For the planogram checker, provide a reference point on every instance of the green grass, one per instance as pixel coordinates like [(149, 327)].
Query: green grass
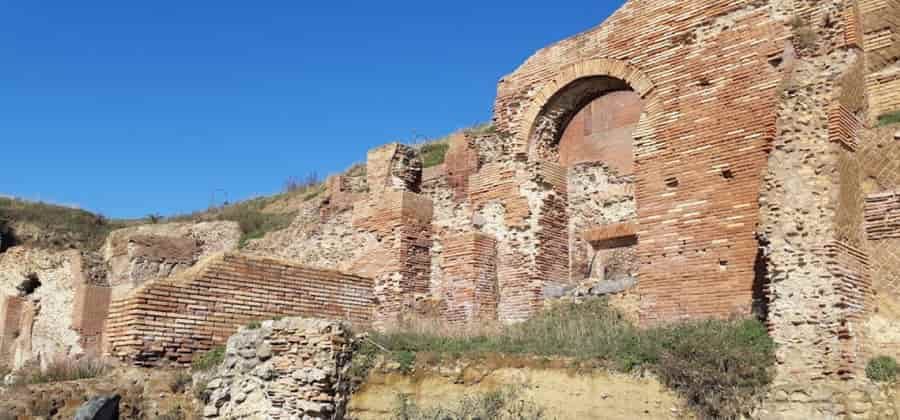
[(62, 371), (209, 360), (61, 227), (889, 118), (719, 367), (433, 154), (249, 215), (883, 369)]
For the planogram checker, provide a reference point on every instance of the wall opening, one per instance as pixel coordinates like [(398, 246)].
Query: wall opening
[(7, 236), (592, 119), (29, 285), (588, 127), (603, 131)]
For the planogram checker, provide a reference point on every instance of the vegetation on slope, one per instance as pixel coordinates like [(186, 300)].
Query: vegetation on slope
[(720, 367), (888, 119), (883, 369), (251, 215), (55, 227), (433, 154)]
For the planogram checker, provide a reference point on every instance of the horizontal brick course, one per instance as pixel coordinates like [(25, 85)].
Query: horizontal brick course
[(172, 319)]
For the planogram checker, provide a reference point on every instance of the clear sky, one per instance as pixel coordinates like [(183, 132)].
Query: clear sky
[(135, 107)]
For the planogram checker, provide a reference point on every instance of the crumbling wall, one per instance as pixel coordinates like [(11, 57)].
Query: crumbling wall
[(138, 254), (879, 24), (291, 368), (819, 287), (37, 318), (171, 320), (523, 205), (600, 196), (708, 91)]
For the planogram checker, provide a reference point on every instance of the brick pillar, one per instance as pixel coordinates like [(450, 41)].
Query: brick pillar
[(89, 314), (402, 221), (533, 248), (470, 275), (394, 166), (10, 317), (461, 162)]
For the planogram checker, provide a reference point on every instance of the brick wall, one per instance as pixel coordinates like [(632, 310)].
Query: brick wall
[(10, 318), (172, 319), (470, 278), (698, 162), (90, 310), (402, 221), (603, 131), (883, 216)]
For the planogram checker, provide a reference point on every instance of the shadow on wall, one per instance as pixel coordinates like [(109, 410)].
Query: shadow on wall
[(7, 236)]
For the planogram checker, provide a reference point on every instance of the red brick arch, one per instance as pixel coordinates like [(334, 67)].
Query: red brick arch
[(555, 104)]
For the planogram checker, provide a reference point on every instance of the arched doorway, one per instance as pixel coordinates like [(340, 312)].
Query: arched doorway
[(588, 126)]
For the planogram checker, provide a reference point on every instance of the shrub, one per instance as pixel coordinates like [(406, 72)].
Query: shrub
[(883, 369), (720, 367), (497, 405), (254, 325), (209, 360), (365, 355), (406, 359), (62, 370), (889, 118), (310, 182), (433, 154)]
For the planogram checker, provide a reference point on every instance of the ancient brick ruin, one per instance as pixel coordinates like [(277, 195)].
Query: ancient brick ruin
[(694, 159)]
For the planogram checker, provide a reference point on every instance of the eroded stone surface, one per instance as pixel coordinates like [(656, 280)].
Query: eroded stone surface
[(292, 368)]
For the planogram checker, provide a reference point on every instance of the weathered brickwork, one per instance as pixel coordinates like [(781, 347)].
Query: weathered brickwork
[(170, 320), (881, 38), (470, 278), (883, 216), (394, 166), (601, 203), (524, 205), (89, 316), (402, 222), (139, 254), (697, 161), (603, 131), (10, 316)]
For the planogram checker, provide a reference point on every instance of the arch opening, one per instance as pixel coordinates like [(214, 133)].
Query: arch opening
[(591, 119), (588, 127)]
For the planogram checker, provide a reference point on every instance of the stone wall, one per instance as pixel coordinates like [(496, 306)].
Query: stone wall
[(288, 369), (170, 320), (38, 288), (138, 254)]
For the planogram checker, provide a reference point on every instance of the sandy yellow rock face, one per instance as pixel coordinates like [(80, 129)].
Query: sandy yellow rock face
[(562, 393)]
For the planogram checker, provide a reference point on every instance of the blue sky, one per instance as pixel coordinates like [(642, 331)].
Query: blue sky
[(129, 108)]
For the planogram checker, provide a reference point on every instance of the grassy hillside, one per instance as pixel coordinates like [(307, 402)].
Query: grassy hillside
[(53, 226)]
